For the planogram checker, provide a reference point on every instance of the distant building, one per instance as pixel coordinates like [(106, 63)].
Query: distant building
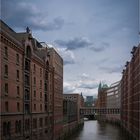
[(113, 102), (89, 101), (130, 95), (80, 103), (102, 96)]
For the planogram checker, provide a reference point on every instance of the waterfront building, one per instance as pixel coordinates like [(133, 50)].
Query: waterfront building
[(80, 103), (102, 96), (57, 63), (31, 87), (102, 101), (113, 102), (130, 95)]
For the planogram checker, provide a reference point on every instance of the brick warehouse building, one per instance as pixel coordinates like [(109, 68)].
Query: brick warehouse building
[(31, 82), (57, 63), (130, 99)]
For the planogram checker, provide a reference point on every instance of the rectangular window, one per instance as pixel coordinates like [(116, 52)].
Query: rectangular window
[(40, 94), (27, 65), (17, 74), (6, 70), (40, 107), (6, 128), (34, 81), (27, 108), (18, 92), (27, 82), (40, 122), (40, 72), (34, 93), (18, 107), (6, 52), (6, 88), (17, 58), (34, 68), (34, 107), (6, 107), (27, 124), (34, 123), (45, 121), (27, 95)]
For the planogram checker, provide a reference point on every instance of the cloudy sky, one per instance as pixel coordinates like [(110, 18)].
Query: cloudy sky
[(94, 37)]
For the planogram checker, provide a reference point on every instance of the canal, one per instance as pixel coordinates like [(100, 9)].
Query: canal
[(94, 130)]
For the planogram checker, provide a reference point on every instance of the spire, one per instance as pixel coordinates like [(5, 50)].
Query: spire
[(81, 94), (100, 86)]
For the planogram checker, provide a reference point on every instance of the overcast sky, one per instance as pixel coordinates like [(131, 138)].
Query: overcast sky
[(94, 37)]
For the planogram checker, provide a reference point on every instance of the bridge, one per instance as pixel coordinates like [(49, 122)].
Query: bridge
[(92, 112)]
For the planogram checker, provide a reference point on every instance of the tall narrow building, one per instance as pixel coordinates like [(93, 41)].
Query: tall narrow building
[(57, 63)]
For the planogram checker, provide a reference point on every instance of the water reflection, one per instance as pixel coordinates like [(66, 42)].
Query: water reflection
[(94, 130)]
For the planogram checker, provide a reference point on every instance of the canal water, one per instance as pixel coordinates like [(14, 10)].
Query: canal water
[(94, 130)]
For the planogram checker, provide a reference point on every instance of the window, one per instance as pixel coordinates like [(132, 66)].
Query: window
[(34, 107), (18, 126), (34, 81), (18, 107), (27, 96), (28, 52), (17, 74), (27, 65), (18, 93), (40, 107), (45, 121), (46, 107), (6, 128), (34, 123), (40, 122), (45, 97), (40, 94), (34, 93), (27, 82), (27, 124), (34, 68), (40, 72), (6, 52), (6, 107), (17, 58), (6, 88), (6, 70), (27, 108)]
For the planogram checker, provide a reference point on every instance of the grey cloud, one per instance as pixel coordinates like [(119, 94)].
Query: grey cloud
[(82, 42), (67, 56), (88, 85), (100, 47), (75, 43), (20, 14), (115, 69)]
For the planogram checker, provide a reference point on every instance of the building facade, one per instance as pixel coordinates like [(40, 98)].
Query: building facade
[(80, 103), (130, 96), (57, 63), (113, 102), (28, 87)]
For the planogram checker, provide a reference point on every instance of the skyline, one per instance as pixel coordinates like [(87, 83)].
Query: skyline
[(87, 34)]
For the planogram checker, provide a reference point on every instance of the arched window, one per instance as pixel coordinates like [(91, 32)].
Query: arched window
[(28, 51)]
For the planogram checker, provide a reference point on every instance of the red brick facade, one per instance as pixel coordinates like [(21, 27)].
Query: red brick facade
[(31, 87), (130, 99)]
